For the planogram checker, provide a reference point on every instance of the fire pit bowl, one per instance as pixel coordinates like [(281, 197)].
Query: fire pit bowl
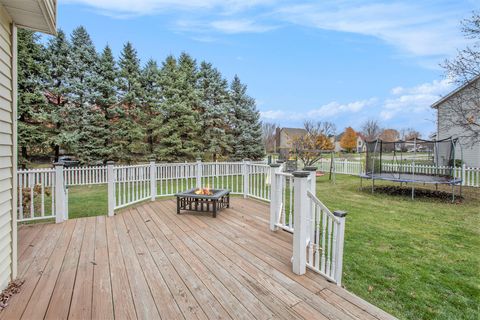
[(203, 200)]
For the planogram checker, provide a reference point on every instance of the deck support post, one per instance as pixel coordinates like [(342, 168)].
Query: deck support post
[(246, 181), (153, 179), (199, 174), (275, 197), (111, 188), (300, 215), (339, 245), (312, 187), (60, 195)]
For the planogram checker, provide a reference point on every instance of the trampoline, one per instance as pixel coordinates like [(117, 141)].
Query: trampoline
[(413, 161)]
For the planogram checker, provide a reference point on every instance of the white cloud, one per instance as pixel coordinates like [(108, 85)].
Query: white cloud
[(414, 100), (227, 26), (335, 108), (424, 29), (239, 26), (419, 29), (324, 112), (404, 106), (129, 8)]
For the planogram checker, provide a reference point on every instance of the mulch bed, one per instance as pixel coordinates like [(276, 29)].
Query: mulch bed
[(419, 193), (13, 288)]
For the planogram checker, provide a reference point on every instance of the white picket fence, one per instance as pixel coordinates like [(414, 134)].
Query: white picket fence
[(470, 176)]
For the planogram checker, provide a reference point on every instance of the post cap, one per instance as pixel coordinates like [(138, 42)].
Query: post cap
[(310, 168), (246, 159), (110, 162), (152, 159), (301, 174), (340, 214), (275, 165), (198, 159)]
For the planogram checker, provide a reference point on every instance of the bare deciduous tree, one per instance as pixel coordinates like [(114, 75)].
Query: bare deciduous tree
[(464, 69), (269, 136), (309, 147), (371, 129), (409, 134)]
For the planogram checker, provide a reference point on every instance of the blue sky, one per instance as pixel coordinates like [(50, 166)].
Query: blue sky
[(341, 61)]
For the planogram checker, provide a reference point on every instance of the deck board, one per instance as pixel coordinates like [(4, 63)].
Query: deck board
[(147, 262)]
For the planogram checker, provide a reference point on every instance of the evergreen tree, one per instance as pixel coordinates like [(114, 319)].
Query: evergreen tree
[(106, 102), (57, 62), (128, 136), (178, 130), (32, 104), (247, 130), (85, 118), (216, 136), (151, 101)]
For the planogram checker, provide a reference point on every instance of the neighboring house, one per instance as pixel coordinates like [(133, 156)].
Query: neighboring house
[(285, 138), (471, 151), (38, 15), (361, 146), (338, 147)]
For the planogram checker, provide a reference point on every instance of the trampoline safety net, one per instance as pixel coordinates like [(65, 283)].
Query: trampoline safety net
[(412, 161)]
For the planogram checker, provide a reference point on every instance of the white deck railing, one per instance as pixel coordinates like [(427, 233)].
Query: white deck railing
[(470, 176), (318, 234), (326, 237), (43, 194)]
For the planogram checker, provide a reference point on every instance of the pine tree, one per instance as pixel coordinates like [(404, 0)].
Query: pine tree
[(151, 100), (178, 130), (57, 62), (85, 118), (128, 136), (32, 104), (106, 101), (246, 126), (216, 136)]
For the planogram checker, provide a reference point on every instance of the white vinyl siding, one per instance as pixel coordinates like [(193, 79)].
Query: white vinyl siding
[(471, 152), (6, 146)]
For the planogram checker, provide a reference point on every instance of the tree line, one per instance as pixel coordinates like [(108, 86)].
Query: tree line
[(77, 101)]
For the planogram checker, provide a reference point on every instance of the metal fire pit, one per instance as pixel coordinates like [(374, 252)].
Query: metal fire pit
[(191, 201)]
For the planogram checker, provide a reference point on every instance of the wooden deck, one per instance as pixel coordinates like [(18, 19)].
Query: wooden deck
[(147, 262)]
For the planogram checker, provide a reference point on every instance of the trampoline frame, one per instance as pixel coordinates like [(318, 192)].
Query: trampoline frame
[(382, 176)]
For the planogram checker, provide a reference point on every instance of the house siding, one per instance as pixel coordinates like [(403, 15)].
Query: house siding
[(470, 151), (7, 138)]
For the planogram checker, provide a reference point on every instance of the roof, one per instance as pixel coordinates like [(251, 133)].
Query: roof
[(294, 132), (37, 15), (454, 92)]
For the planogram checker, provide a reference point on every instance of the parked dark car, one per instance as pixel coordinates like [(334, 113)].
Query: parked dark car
[(68, 161)]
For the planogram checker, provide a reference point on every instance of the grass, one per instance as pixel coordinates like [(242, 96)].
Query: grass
[(415, 259)]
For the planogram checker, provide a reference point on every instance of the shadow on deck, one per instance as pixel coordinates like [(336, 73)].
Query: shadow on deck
[(149, 263)]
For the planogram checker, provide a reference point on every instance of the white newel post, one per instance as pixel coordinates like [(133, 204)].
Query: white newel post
[(312, 187), (299, 260), (339, 246), (274, 199), (246, 181), (153, 179), (110, 188), (199, 174), (464, 167), (59, 194)]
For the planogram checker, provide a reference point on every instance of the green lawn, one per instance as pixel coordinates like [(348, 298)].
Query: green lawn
[(415, 259)]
